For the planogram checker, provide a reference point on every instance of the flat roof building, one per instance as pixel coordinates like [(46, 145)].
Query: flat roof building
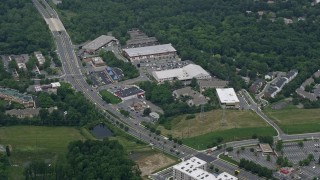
[(98, 43), (195, 169), (40, 58), (196, 98), (97, 61), (212, 83), (265, 148), (129, 93), (185, 73), (228, 97), (14, 95), (157, 52)]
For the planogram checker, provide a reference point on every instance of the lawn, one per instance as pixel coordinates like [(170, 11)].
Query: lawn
[(35, 142), (109, 97), (296, 121), (200, 131), (212, 122)]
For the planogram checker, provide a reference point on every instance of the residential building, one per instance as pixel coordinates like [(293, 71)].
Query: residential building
[(100, 42), (40, 58), (196, 99), (271, 92), (185, 73), (256, 86), (27, 113), (228, 97), (291, 75), (21, 60), (269, 76), (157, 52), (129, 93), (14, 96)]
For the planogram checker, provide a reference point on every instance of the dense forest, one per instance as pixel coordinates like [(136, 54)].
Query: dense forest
[(88, 160), (219, 35), (22, 28)]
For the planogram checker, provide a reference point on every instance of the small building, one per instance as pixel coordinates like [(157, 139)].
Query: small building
[(265, 148), (196, 99), (154, 115), (256, 86), (271, 92), (291, 75), (228, 97), (40, 58), (157, 52), (129, 93), (185, 73), (14, 96), (211, 83), (97, 61), (21, 60), (100, 42)]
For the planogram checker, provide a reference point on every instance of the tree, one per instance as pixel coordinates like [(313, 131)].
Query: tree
[(194, 83), (279, 145), (8, 151), (146, 111), (268, 157), (266, 139), (300, 144)]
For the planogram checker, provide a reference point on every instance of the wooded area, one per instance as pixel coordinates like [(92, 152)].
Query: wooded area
[(22, 28), (218, 35)]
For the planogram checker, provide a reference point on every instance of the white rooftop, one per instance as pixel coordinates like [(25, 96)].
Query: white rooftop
[(226, 176), (191, 167), (149, 50), (227, 95), (98, 42), (55, 84), (187, 72)]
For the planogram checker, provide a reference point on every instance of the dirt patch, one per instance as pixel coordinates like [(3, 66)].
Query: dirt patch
[(149, 164)]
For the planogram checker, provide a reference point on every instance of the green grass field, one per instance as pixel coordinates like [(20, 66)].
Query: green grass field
[(109, 98), (34, 142), (201, 142), (200, 132), (296, 121)]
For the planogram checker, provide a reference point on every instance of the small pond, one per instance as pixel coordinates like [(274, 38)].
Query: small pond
[(101, 131)]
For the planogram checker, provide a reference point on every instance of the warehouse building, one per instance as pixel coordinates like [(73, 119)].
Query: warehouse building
[(185, 73), (14, 96), (100, 42), (228, 97), (157, 52)]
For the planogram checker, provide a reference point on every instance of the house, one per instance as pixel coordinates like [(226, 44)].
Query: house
[(271, 92), (291, 75), (256, 86), (196, 99)]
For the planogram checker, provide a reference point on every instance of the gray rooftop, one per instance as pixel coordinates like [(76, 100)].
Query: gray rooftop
[(291, 73), (98, 42), (281, 82), (149, 50), (212, 83)]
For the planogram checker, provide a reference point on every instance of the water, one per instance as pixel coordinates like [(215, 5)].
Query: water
[(100, 131)]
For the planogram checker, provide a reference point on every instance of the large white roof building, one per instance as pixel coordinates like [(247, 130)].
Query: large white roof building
[(195, 169), (185, 73), (228, 97), (150, 52)]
